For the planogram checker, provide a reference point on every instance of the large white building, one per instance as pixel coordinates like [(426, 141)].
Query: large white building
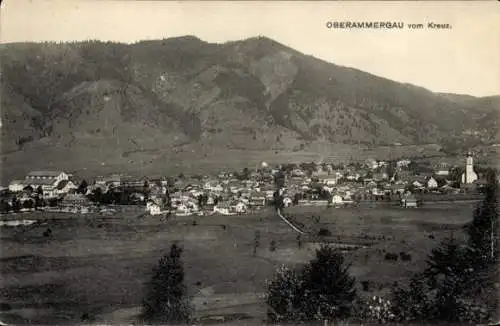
[(47, 180), (469, 176)]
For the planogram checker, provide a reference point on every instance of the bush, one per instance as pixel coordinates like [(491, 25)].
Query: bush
[(366, 285), (272, 246), (391, 256), (405, 256), (324, 232), (412, 303), (378, 310)]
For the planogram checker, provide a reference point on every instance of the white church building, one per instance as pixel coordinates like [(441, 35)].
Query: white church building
[(469, 176)]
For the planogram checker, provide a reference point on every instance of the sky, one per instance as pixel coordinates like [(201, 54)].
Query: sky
[(464, 59)]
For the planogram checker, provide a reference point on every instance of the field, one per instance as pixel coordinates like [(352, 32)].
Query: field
[(96, 266)]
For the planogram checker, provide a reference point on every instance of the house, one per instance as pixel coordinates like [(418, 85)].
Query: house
[(298, 173), (240, 208), (337, 199), (442, 169), (270, 194), (379, 176), (419, 181), (257, 201), (75, 200), (395, 189), (432, 183), (16, 186), (47, 180), (112, 180), (330, 181), (223, 208), (153, 208), (409, 201), (183, 209), (48, 186), (64, 187)]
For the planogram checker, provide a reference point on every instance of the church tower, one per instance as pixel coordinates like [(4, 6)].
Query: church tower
[(469, 176)]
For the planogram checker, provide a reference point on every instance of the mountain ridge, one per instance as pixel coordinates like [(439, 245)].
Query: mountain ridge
[(254, 94)]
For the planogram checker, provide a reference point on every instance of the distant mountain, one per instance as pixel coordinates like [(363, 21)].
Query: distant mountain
[(251, 94)]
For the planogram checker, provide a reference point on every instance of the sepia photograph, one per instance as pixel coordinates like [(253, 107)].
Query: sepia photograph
[(311, 163)]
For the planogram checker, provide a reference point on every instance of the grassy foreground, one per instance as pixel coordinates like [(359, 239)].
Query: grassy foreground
[(96, 266)]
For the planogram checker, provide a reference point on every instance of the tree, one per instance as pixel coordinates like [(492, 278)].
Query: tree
[(4, 206), (28, 204), (284, 296), (82, 188), (245, 174), (28, 189), (483, 238), (145, 189), (256, 242), (39, 191), (446, 291), (53, 202), (278, 200), (391, 169), (96, 195), (15, 204), (39, 202), (279, 179), (412, 303), (168, 199), (166, 299), (296, 198), (450, 275), (322, 290), (202, 200), (330, 289)]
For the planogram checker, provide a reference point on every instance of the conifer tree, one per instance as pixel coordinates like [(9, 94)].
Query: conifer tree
[(330, 289), (322, 290), (166, 300), (450, 276), (483, 236)]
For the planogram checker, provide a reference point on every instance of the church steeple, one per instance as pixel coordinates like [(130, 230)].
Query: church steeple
[(469, 176)]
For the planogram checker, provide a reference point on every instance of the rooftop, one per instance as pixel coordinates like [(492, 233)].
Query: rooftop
[(51, 174), (41, 182)]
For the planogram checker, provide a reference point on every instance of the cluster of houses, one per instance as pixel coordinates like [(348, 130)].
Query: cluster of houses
[(232, 193)]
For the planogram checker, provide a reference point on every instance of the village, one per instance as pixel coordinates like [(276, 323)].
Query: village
[(401, 183)]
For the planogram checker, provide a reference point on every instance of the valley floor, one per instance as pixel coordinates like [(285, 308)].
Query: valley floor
[(96, 266)]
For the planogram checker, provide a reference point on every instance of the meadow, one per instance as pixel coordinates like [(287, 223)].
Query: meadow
[(93, 268)]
